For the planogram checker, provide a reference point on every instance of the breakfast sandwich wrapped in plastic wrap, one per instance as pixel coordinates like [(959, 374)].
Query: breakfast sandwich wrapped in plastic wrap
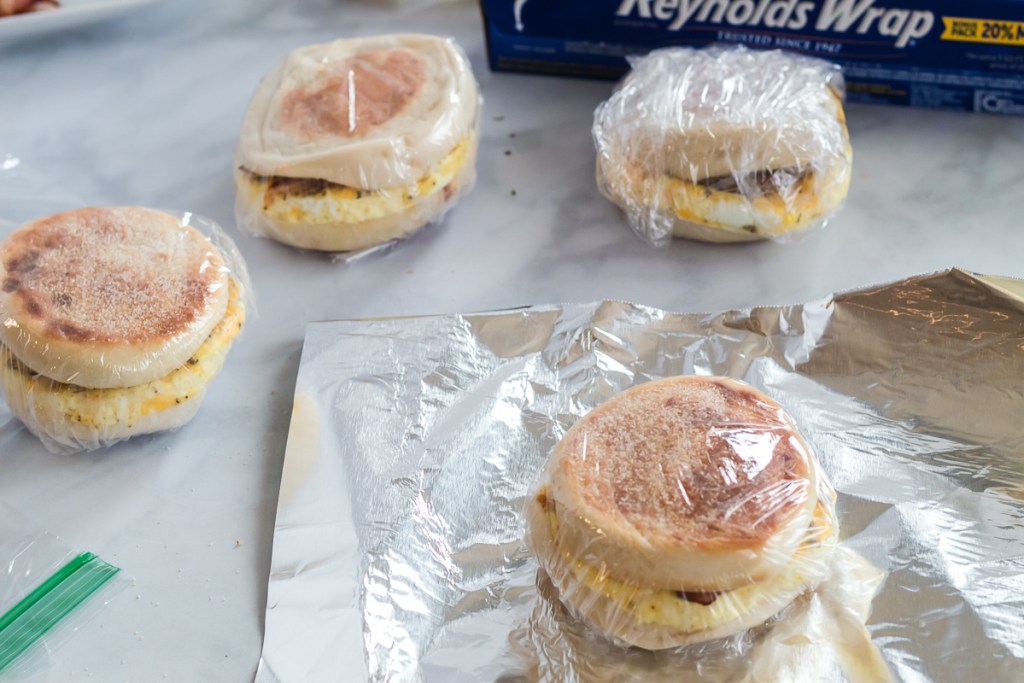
[(681, 511), (724, 144), (114, 321), (354, 143)]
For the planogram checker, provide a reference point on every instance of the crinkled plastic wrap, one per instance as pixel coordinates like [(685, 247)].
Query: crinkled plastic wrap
[(352, 144), (115, 320), (415, 447), (724, 144), (682, 511)]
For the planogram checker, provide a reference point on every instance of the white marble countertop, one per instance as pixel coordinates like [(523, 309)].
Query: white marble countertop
[(145, 109)]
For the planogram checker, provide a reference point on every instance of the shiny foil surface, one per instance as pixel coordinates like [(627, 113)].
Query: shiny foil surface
[(398, 549)]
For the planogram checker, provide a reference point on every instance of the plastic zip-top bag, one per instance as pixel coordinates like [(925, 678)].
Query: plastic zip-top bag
[(47, 592)]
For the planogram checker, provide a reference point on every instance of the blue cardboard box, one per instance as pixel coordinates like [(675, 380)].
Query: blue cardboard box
[(966, 56)]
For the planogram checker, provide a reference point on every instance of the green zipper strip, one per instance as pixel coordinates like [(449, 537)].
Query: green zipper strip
[(43, 608)]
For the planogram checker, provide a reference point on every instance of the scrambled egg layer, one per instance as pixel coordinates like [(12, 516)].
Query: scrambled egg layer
[(734, 211), (104, 408), (668, 608), (806, 201), (342, 204)]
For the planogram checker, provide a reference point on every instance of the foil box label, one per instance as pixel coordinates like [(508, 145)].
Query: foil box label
[(946, 55)]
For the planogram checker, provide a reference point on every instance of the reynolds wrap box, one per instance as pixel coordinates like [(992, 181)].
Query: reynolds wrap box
[(967, 56)]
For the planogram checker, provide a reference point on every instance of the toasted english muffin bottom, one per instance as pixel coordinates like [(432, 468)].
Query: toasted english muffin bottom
[(314, 201), (686, 613), (52, 406)]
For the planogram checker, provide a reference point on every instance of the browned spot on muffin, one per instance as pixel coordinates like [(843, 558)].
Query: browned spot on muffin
[(365, 92)]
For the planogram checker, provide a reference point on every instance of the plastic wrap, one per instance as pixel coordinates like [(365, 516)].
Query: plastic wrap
[(47, 592), (351, 144), (115, 320), (681, 511), (724, 144)]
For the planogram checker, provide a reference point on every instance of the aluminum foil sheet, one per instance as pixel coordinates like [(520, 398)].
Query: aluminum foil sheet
[(398, 551)]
